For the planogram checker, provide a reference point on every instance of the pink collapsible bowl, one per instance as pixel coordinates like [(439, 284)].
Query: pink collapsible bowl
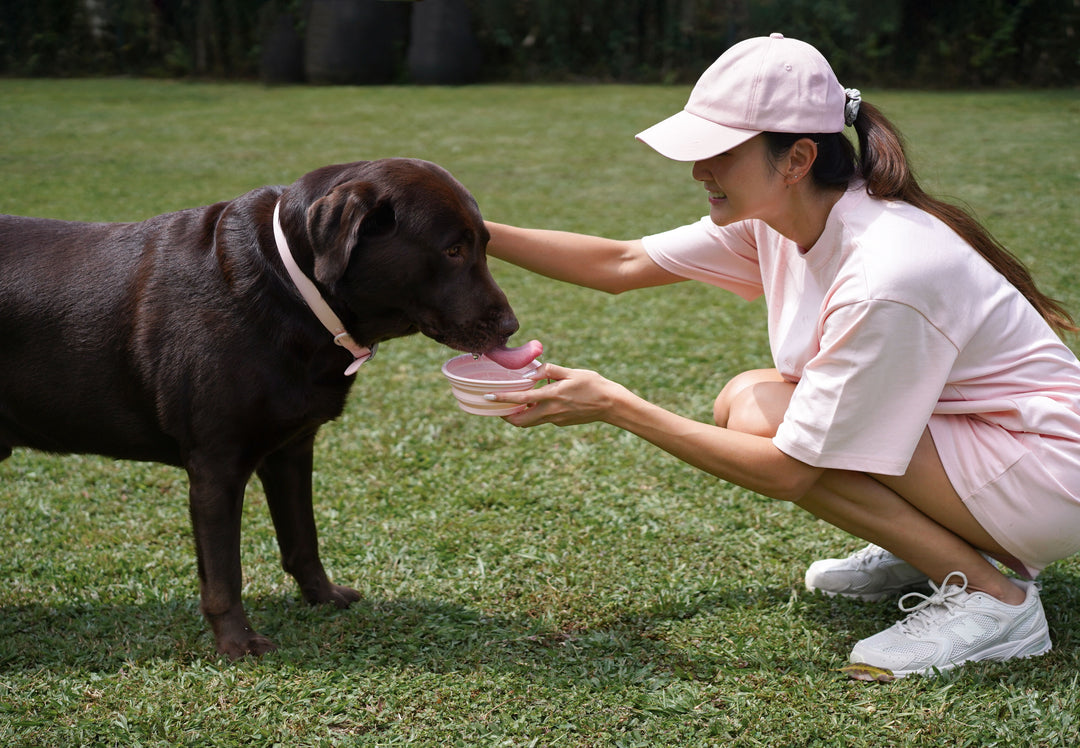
[(471, 378)]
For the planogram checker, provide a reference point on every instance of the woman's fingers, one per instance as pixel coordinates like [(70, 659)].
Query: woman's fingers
[(549, 371), (570, 396)]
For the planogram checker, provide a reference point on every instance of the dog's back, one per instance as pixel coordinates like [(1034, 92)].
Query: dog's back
[(72, 297)]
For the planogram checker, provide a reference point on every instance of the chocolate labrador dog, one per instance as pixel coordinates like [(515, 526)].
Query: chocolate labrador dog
[(219, 339)]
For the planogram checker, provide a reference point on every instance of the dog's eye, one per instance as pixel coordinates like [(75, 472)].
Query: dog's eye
[(456, 250)]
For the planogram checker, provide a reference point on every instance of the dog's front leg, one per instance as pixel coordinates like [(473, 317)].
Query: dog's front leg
[(216, 503), (286, 479)]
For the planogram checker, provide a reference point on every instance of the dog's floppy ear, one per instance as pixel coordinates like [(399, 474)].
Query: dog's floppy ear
[(337, 222)]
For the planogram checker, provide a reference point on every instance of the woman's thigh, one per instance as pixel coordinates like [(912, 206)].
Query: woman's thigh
[(927, 487), (755, 402)]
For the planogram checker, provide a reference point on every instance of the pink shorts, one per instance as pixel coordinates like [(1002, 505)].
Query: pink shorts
[(1024, 489)]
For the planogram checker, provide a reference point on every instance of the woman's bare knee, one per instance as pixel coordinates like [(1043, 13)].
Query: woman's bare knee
[(759, 409), (735, 387)]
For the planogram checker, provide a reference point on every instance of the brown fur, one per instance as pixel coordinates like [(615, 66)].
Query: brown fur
[(182, 340)]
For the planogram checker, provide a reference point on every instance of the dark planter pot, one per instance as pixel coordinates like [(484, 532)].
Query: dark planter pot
[(442, 46), (356, 41), (282, 58)]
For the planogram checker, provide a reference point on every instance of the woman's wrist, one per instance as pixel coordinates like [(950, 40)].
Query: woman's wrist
[(623, 409)]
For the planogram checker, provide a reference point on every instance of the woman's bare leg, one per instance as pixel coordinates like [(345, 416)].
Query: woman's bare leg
[(746, 400), (918, 516)]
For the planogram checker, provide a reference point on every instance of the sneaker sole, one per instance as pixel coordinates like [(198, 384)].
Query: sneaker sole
[(1034, 646), (872, 597)]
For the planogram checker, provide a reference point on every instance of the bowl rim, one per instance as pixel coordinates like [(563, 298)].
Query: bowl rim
[(452, 377)]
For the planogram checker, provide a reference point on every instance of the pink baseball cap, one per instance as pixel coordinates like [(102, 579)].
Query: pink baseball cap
[(765, 84)]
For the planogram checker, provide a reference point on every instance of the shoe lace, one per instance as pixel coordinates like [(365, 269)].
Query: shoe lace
[(869, 555), (930, 607)]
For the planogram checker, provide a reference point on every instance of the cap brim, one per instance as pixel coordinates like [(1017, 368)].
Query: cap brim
[(687, 137)]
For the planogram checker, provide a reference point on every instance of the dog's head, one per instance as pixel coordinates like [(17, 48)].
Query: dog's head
[(398, 246)]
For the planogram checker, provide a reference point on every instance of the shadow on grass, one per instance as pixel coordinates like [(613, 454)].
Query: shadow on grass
[(378, 633), (441, 637)]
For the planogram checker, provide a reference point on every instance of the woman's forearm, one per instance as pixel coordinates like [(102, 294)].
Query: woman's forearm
[(609, 265), (576, 396), (750, 461)]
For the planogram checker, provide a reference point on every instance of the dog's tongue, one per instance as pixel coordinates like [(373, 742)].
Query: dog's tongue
[(516, 358)]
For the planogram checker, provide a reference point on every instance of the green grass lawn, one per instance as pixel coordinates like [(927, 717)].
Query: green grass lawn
[(542, 587)]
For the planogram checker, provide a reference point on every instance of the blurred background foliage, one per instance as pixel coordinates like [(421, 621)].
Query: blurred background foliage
[(897, 43)]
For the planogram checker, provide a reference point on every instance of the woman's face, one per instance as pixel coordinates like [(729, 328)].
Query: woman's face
[(742, 183)]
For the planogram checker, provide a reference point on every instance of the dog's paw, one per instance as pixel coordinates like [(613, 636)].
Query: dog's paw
[(234, 636), (255, 645), (332, 594), (342, 597)]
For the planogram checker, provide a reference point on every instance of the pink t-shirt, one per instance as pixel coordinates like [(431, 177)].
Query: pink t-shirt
[(888, 319)]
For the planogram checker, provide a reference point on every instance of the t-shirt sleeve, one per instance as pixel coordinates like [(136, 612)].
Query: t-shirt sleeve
[(720, 256), (866, 397)]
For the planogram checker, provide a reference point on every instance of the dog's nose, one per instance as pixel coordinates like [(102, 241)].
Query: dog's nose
[(508, 323)]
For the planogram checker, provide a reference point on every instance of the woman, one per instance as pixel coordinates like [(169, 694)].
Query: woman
[(921, 399)]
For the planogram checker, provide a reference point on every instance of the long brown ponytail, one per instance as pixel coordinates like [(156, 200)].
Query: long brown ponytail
[(882, 163)]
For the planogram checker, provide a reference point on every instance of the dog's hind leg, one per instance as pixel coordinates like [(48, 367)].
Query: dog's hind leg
[(286, 479)]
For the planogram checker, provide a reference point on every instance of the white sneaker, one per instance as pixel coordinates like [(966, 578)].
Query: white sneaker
[(953, 626), (870, 574)]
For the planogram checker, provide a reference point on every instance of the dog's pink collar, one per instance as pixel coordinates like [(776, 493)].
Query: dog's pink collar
[(317, 304)]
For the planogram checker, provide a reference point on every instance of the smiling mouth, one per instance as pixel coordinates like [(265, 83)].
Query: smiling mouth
[(717, 195)]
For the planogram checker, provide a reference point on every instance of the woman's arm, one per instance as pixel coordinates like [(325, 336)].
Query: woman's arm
[(578, 396), (607, 265)]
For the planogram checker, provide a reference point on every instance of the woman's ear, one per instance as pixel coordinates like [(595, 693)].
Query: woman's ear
[(800, 159)]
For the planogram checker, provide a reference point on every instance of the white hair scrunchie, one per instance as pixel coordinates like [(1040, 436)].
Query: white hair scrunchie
[(852, 100)]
